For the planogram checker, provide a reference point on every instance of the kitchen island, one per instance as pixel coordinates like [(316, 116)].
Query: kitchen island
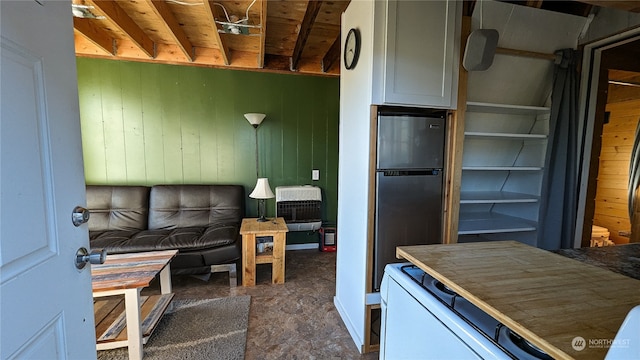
[(546, 298)]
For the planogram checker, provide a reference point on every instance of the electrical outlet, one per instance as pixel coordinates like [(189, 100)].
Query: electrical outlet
[(315, 174)]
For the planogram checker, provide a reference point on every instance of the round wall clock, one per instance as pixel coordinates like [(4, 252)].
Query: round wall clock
[(352, 49)]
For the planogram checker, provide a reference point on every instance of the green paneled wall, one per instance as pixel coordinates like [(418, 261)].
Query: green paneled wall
[(145, 124)]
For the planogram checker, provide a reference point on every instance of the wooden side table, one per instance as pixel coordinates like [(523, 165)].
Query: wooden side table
[(252, 229)]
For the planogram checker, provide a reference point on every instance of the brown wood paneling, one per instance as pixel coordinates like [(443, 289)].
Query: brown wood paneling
[(612, 223), (613, 209), (621, 153), (615, 182), (611, 205), (623, 93), (612, 195), (614, 167)]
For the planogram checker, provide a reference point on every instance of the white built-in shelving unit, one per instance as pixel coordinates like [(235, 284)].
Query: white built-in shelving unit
[(502, 171), (507, 123)]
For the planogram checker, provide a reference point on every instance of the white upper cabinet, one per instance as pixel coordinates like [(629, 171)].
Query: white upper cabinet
[(417, 46)]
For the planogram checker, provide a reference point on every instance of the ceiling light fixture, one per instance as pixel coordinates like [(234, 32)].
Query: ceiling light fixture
[(235, 25), (84, 12)]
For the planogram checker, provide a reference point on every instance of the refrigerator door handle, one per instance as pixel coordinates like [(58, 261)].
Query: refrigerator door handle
[(424, 172)]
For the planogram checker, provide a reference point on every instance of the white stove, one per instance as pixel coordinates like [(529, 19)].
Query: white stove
[(428, 320)]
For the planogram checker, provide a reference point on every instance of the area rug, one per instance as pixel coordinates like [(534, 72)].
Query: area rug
[(197, 329)]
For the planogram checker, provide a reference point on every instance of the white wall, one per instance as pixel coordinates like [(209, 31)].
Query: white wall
[(517, 80), (609, 21), (353, 173)]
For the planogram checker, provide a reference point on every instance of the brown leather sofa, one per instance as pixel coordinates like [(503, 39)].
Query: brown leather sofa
[(201, 221)]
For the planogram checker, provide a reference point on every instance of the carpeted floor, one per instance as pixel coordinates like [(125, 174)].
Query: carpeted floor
[(196, 329)]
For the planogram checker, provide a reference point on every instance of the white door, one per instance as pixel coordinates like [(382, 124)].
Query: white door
[(46, 304)]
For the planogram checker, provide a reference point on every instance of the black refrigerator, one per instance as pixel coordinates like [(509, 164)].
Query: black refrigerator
[(409, 180)]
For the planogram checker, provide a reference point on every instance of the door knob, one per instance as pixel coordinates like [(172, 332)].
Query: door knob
[(79, 216), (95, 257)]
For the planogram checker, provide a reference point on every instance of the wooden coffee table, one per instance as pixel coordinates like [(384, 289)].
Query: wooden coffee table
[(128, 274), (251, 229)]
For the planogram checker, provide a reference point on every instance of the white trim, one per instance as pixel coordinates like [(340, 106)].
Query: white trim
[(307, 246), (587, 105), (349, 324)]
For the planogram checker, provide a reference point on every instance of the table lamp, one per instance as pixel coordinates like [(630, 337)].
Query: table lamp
[(262, 191)]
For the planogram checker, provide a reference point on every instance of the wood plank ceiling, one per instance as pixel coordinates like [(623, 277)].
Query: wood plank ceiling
[(286, 36), (276, 36)]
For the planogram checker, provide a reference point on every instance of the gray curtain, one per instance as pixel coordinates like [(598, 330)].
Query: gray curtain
[(559, 193), (634, 171)]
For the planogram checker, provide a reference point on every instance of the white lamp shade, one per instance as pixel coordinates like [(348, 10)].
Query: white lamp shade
[(255, 119), (262, 190)]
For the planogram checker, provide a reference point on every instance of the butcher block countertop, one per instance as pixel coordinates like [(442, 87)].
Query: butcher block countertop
[(547, 298)]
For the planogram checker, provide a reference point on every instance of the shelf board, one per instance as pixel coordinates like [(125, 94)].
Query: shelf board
[(502, 168), (495, 197), (473, 106), (492, 223), (112, 328), (494, 135)]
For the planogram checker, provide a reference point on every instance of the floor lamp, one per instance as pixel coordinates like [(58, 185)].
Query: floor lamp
[(255, 120), (262, 191)]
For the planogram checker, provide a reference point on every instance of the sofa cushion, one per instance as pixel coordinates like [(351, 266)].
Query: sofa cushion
[(117, 207), (182, 239), (183, 206)]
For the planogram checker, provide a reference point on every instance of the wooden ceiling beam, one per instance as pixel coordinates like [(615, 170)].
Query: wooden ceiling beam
[(209, 57), (313, 7), (95, 35), (632, 6), (224, 50), (162, 10), (263, 32), (332, 56), (119, 17)]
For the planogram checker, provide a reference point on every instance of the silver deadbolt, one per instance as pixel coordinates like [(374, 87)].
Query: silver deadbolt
[(95, 257), (79, 216)]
